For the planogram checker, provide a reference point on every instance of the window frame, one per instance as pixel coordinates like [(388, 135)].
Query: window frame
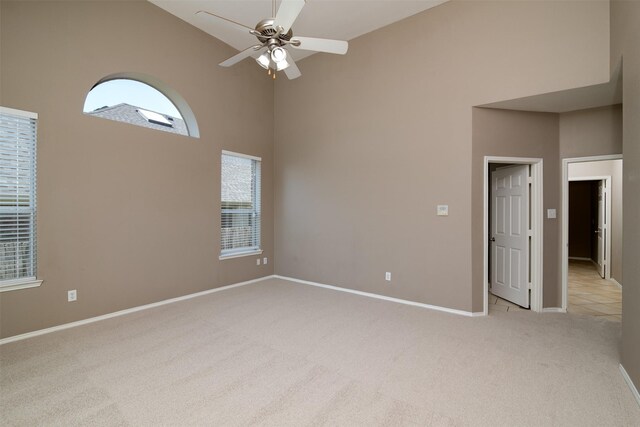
[(26, 281), (255, 249), (173, 96)]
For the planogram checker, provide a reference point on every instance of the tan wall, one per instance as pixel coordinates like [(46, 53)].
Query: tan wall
[(505, 133), (593, 132), (612, 168), (358, 152), (368, 144), (127, 215), (625, 33)]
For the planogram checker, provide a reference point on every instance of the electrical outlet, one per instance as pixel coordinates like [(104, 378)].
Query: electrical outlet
[(387, 276), (72, 295), (264, 260), (258, 261)]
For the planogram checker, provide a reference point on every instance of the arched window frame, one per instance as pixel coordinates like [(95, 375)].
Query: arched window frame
[(176, 99)]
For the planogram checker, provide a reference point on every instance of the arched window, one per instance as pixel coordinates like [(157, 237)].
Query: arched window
[(142, 101)]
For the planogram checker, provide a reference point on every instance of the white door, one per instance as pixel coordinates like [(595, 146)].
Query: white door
[(510, 234), (601, 230)]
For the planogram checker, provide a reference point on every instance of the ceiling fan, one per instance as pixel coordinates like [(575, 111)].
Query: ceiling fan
[(275, 36)]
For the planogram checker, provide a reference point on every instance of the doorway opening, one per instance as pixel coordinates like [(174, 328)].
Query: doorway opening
[(513, 218), (590, 222), (592, 236)]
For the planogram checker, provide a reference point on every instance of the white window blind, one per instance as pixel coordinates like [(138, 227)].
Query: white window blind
[(240, 202), (17, 196)]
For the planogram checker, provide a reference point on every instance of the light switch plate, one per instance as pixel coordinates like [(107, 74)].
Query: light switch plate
[(443, 210), (551, 213)]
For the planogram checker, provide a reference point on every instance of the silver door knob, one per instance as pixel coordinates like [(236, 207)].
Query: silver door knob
[(493, 239)]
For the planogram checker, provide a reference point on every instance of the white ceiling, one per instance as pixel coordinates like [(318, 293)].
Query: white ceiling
[(331, 19)]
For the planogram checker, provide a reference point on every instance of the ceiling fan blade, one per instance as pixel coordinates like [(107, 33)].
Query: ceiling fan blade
[(238, 25), (292, 71), (287, 14), (240, 56), (339, 47)]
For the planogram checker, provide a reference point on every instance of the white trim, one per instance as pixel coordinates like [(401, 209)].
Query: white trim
[(618, 284), (537, 223), (554, 310), (126, 311), (383, 297), (579, 258), (246, 156), (564, 260), (241, 254), (537, 242), (589, 178), (14, 285), (630, 383), (223, 288), (21, 113)]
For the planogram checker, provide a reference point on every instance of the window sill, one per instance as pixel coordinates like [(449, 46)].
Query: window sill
[(241, 254), (14, 285)]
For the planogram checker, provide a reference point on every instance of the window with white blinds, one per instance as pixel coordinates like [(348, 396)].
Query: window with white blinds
[(17, 196), (240, 202)]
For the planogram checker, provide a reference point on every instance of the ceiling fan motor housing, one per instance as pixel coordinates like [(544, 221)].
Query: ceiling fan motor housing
[(268, 30)]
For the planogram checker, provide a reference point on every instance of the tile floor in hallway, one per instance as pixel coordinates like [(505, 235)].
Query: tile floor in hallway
[(499, 304), (589, 294), (592, 295)]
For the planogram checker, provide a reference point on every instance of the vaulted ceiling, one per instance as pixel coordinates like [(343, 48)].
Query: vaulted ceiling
[(332, 19)]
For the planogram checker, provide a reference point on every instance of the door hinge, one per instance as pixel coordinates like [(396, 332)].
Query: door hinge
[(530, 180), (530, 287)]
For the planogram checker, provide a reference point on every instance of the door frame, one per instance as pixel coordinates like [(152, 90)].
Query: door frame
[(537, 224), (564, 261)]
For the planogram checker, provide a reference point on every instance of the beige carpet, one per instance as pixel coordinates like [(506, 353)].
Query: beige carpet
[(278, 353)]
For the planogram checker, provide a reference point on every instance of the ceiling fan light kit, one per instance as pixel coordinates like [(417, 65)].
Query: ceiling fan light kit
[(275, 35), (278, 55)]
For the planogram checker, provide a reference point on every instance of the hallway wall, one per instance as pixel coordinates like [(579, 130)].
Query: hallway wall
[(625, 33), (372, 147), (508, 133), (592, 132)]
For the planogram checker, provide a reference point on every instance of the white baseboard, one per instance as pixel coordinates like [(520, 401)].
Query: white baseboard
[(618, 284), (223, 288), (383, 297), (126, 311), (554, 310), (578, 258), (630, 383)]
